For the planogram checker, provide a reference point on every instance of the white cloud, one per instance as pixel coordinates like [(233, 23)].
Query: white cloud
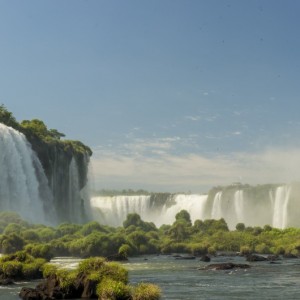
[(236, 133), (193, 118), (169, 172)]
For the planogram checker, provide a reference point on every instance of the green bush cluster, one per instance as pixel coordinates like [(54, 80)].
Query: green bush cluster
[(21, 265), (110, 280), (137, 237)]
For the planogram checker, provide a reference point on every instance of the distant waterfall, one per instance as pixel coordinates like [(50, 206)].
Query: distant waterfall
[(216, 212), (193, 204), (280, 215), (261, 205), (114, 210), (23, 184), (239, 205)]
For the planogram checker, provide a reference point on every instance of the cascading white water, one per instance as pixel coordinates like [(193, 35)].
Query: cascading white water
[(74, 192), (239, 205), (252, 206), (216, 212), (193, 204), (114, 210), (19, 185), (281, 201)]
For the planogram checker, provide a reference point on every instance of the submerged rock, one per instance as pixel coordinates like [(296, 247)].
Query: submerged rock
[(273, 258), (205, 258), (185, 257), (225, 266), (290, 255), (6, 281), (255, 257), (117, 257)]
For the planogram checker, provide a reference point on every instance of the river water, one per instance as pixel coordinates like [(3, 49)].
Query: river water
[(182, 279)]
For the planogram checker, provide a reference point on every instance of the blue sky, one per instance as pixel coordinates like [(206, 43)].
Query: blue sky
[(170, 95)]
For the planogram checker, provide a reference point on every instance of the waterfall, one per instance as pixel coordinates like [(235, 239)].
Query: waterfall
[(253, 206), (114, 210), (216, 212), (239, 205), (280, 213), (193, 204), (74, 197), (23, 184)]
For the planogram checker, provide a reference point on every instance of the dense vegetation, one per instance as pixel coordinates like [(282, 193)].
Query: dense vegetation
[(137, 237), (37, 130)]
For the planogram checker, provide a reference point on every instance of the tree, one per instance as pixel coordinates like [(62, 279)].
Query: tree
[(7, 118), (240, 227), (183, 215), (132, 219), (39, 128), (56, 134), (179, 231), (36, 127)]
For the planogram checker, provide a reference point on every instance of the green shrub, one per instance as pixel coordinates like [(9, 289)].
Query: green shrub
[(91, 264), (12, 269), (146, 291), (198, 249), (40, 250), (33, 270), (49, 270), (115, 271), (66, 277), (262, 249), (11, 243), (245, 250), (113, 290), (91, 227), (30, 235), (125, 250)]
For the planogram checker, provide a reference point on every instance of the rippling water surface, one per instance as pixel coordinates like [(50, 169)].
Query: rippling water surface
[(181, 279)]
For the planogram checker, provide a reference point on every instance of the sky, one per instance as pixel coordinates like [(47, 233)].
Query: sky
[(171, 96)]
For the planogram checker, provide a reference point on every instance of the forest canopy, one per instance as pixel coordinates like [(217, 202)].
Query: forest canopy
[(36, 128)]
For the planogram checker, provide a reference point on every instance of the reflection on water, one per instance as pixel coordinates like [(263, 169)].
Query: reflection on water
[(181, 279)]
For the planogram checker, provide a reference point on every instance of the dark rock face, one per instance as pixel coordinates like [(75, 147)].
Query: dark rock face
[(290, 255), (255, 257), (51, 289), (273, 258), (185, 257), (6, 281), (66, 168), (32, 294), (116, 257), (225, 266), (205, 258)]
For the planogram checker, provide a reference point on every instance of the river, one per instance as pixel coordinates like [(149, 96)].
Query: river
[(182, 279)]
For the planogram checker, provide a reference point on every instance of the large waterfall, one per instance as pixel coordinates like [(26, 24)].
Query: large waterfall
[(47, 186), (275, 205), (23, 184)]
